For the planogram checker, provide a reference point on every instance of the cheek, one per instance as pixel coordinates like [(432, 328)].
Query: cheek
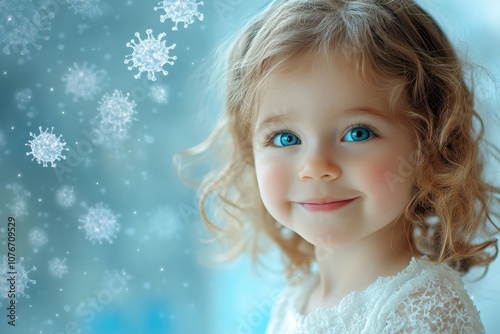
[(377, 176), (272, 181), (387, 179)]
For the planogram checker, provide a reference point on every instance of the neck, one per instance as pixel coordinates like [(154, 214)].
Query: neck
[(355, 266)]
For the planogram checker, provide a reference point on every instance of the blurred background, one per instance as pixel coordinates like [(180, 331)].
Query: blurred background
[(112, 231)]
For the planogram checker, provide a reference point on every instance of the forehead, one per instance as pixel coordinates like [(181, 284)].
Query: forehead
[(314, 82)]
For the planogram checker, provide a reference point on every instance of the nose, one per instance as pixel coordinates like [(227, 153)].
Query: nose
[(319, 168)]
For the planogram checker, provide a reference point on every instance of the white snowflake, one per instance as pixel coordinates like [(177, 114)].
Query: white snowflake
[(84, 82), (58, 267), (21, 277), (46, 147), (180, 11), (149, 55), (99, 223), (65, 196)]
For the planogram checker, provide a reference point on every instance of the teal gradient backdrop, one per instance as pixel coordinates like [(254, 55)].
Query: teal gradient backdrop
[(150, 278)]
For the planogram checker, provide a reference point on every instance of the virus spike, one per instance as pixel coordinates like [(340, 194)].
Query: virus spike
[(87, 8), (65, 196), (149, 55), (116, 114), (58, 267), (22, 23), (46, 147), (180, 11), (84, 81), (99, 223), (22, 279)]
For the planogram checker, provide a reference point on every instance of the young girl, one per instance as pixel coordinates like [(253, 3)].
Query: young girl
[(347, 140)]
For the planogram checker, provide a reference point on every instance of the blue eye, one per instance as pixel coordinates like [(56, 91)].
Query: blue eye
[(286, 139), (358, 133)]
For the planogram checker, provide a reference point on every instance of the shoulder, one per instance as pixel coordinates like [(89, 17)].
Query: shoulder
[(432, 300)]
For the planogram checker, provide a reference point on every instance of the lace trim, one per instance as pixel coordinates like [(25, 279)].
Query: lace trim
[(422, 298), (324, 314)]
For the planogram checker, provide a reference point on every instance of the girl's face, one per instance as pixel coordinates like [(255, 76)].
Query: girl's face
[(325, 135)]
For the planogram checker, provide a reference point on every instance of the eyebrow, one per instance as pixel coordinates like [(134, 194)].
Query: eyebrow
[(279, 118), (369, 111), (284, 117)]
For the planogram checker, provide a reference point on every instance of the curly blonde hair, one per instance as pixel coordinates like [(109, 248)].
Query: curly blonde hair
[(395, 45)]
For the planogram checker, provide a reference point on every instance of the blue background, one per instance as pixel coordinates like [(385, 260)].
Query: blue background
[(164, 286)]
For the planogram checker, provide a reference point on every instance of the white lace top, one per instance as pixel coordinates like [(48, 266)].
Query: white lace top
[(422, 298)]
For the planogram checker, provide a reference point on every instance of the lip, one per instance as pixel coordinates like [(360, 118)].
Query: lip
[(325, 204)]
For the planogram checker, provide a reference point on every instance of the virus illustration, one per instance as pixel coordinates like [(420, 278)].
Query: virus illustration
[(38, 238), (46, 147), (115, 115), (58, 267), (21, 279), (87, 8), (18, 206), (180, 11), (99, 223), (159, 94), (149, 55), (23, 98), (21, 24), (84, 82), (65, 196), (165, 223)]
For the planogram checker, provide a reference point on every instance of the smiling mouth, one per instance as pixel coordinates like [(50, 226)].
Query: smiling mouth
[(326, 206)]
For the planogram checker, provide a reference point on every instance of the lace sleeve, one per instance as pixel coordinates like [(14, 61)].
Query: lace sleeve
[(436, 307)]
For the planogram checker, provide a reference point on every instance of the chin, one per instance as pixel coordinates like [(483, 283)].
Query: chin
[(326, 239)]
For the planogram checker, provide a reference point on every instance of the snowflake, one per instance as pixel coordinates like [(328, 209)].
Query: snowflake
[(88, 8), (99, 223), (21, 23), (21, 278), (159, 94), (180, 11), (115, 115), (38, 238), (84, 82), (46, 147), (65, 196), (58, 267), (149, 55)]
